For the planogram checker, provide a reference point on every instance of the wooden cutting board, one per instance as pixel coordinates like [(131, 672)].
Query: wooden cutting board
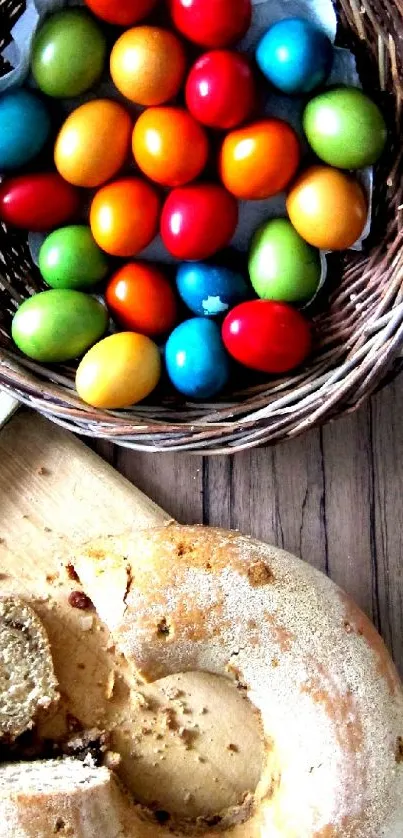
[(56, 493)]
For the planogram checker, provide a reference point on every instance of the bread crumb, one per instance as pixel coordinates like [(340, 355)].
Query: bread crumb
[(141, 701), (86, 622), (233, 748), (110, 685), (71, 573), (169, 719), (259, 573), (173, 693), (112, 760), (187, 736)]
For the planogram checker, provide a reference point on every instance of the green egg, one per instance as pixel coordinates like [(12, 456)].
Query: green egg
[(345, 128), (71, 258), (282, 266), (58, 325), (68, 54)]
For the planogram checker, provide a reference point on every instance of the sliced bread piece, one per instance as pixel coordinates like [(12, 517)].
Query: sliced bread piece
[(62, 797), (28, 684)]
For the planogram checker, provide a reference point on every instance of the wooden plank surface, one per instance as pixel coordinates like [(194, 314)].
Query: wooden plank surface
[(333, 497)]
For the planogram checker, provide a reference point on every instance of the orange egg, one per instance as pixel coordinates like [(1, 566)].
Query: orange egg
[(93, 143), (124, 216), (148, 65), (169, 146), (327, 208), (260, 159)]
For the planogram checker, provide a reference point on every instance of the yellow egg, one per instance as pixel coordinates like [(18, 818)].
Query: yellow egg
[(93, 143), (119, 371)]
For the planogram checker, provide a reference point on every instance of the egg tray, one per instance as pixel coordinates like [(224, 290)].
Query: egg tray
[(358, 321)]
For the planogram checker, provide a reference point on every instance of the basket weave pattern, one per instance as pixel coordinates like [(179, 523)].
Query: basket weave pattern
[(359, 332)]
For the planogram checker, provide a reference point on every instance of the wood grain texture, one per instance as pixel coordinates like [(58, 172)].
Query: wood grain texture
[(332, 497)]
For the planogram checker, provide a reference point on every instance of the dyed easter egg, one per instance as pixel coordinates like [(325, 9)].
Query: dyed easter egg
[(327, 208), (282, 266), (141, 298), (38, 202), (70, 258), (267, 336), (210, 290), (24, 128), (220, 90), (148, 65), (93, 143), (58, 325), (124, 216), (195, 358), (259, 160), (214, 24), (169, 146), (295, 55), (68, 53), (123, 12), (198, 221), (345, 128), (119, 371)]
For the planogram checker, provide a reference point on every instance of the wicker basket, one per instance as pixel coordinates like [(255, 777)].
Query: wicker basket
[(359, 332)]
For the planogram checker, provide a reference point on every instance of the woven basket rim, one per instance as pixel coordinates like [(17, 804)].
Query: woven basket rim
[(359, 336)]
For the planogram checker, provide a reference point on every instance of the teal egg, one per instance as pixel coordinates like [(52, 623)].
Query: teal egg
[(196, 360), (58, 325), (345, 128), (24, 128), (282, 266), (68, 54), (70, 258)]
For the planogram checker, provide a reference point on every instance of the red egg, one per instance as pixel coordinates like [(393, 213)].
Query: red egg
[(38, 202), (267, 336), (141, 299), (121, 12), (220, 90), (212, 23), (198, 220)]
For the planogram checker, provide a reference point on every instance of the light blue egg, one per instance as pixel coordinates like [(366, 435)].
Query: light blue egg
[(295, 55), (196, 360), (24, 128), (210, 290)]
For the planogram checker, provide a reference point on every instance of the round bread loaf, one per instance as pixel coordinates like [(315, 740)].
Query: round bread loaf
[(331, 704), (28, 683)]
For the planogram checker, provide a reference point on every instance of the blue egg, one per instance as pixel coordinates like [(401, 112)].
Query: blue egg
[(196, 360), (24, 128), (210, 290), (295, 55)]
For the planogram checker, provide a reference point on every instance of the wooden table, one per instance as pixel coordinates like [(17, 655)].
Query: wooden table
[(333, 497)]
